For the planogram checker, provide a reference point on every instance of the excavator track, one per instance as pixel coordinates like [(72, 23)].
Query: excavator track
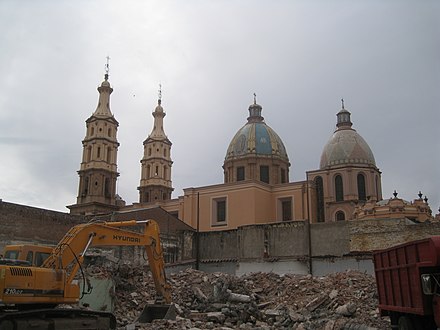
[(57, 319)]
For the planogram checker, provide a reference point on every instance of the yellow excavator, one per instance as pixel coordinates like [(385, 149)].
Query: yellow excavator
[(29, 294)]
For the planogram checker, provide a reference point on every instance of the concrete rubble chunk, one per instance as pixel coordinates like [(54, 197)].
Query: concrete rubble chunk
[(346, 310)]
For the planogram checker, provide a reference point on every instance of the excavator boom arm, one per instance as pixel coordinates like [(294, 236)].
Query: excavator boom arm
[(69, 253)]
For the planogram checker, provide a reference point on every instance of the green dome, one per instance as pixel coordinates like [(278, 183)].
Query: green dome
[(256, 138)]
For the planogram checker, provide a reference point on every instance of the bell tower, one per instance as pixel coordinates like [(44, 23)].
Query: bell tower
[(155, 184), (98, 169)]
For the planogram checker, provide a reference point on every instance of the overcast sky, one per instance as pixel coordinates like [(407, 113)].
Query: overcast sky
[(299, 57)]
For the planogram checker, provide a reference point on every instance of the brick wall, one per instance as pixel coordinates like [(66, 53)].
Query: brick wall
[(19, 223)]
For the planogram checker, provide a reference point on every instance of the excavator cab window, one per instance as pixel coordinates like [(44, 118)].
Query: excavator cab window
[(40, 257), (12, 254), (30, 257)]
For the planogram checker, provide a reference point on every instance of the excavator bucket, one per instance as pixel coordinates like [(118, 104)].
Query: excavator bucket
[(157, 311)]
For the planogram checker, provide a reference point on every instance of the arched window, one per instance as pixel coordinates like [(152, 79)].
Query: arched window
[(89, 154), (339, 188), (264, 173), (86, 186), (340, 216), (319, 199), (283, 176), (362, 195), (107, 187), (240, 173)]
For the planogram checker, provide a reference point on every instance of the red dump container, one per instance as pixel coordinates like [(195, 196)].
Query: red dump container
[(398, 276)]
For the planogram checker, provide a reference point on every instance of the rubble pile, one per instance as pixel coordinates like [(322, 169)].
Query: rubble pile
[(256, 301)]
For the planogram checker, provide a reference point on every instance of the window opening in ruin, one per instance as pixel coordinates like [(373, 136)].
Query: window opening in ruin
[(340, 216)]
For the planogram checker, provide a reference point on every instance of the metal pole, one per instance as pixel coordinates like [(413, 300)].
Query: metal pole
[(197, 232)]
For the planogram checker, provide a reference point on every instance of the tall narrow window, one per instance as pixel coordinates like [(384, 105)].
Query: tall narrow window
[(285, 209), (165, 173), (219, 211), (240, 173), (148, 171), (339, 188), (377, 187), (86, 186), (264, 173), (89, 154), (98, 153), (362, 195), (283, 176), (109, 155), (319, 199), (107, 187)]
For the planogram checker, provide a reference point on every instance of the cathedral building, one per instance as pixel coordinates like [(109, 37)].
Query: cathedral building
[(256, 187)]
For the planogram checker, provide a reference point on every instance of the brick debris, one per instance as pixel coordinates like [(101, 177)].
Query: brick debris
[(346, 300)]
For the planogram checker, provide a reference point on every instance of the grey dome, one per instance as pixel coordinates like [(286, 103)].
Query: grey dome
[(346, 146)]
